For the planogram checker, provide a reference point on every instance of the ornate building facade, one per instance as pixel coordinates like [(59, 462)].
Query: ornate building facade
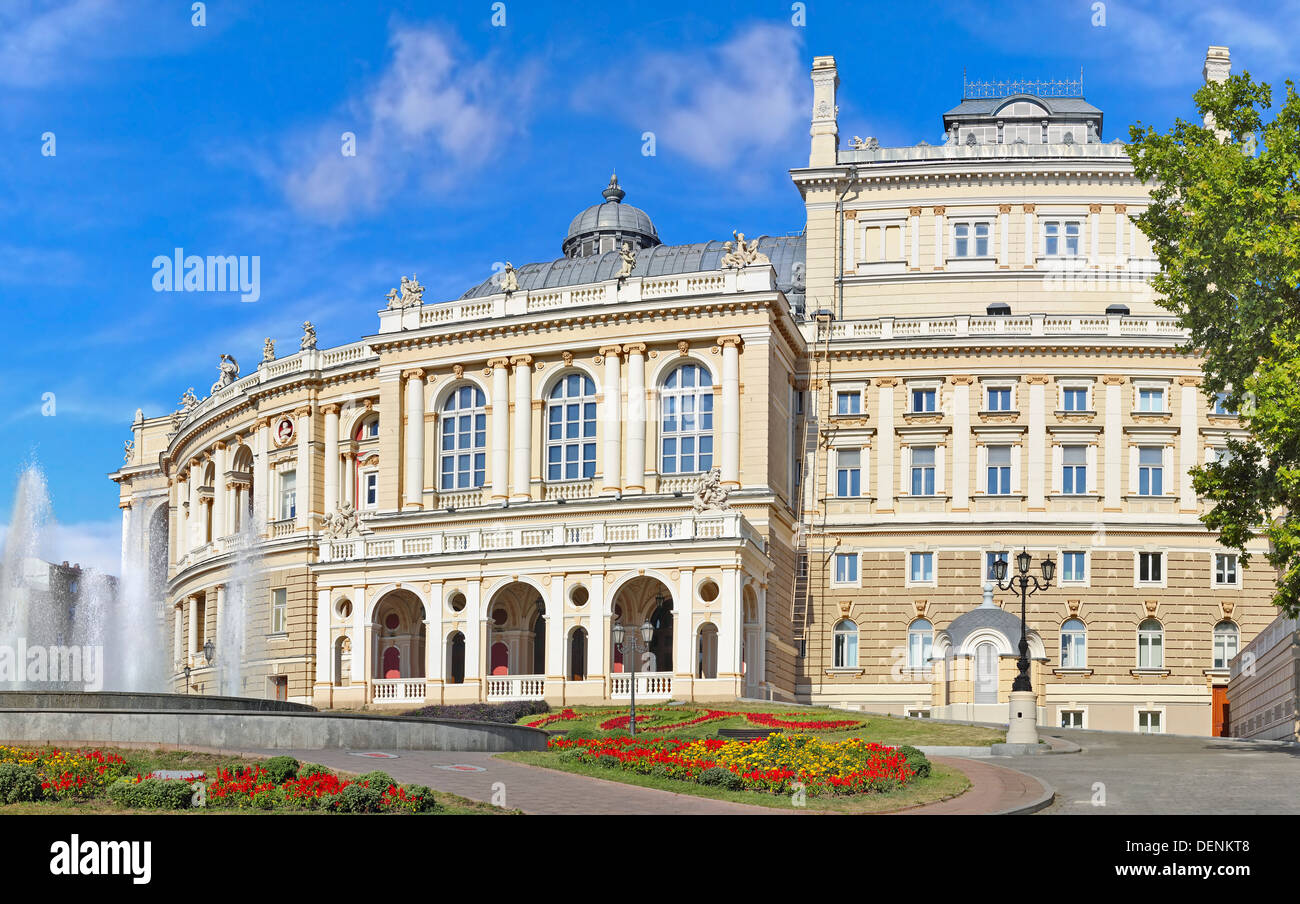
[(794, 458)]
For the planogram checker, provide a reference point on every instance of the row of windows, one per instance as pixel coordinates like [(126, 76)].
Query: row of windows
[(925, 400), (1150, 567), (1074, 644)]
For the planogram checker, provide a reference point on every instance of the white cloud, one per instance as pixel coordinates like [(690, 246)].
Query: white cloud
[(90, 544), (742, 100), (429, 119)]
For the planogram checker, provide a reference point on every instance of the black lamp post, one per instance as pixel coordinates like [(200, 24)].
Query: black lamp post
[(1028, 584), (629, 644), (187, 670)]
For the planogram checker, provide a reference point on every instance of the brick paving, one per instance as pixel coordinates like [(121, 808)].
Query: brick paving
[(994, 789)]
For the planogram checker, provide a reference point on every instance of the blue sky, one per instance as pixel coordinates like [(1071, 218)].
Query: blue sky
[(476, 143)]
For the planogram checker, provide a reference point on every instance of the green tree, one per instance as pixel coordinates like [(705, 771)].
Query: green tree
[(1224, 221)]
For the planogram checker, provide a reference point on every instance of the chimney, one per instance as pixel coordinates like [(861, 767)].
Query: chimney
[(825, 130), (1218, 66)]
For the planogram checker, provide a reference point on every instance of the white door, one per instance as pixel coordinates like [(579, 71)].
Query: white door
[(986, 673)]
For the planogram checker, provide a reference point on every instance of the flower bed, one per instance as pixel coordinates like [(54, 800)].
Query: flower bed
[(765, 720), (771, 765), (68, 774)]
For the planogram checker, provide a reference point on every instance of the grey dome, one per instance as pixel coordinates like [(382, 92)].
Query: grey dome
[(604, 227)]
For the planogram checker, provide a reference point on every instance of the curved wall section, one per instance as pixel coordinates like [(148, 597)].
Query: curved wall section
[(121, 700)]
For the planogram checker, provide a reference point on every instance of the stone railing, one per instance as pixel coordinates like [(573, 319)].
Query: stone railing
[(707, 526), (398, 690), (962, 326), (609, 292), (459, 499), (516, 687), (569, 489), (648, 685), (939, 152)]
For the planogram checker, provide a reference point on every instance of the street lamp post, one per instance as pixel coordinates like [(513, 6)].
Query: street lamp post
[(1022, 727), (629, 644)]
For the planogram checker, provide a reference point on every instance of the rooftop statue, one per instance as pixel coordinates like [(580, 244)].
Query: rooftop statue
[(628, 257), (268, 350), (411, 294), (743, 255), (509, 279), (128, 449), (710, 494), (344, 522), (228, 368), (308, 343)]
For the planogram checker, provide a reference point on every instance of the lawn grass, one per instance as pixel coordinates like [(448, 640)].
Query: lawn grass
[(891, 730), (942, 783)]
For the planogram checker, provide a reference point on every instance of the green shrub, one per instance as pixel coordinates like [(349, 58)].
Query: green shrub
[(609, 761), (279, 769), (19, 783), (358, 798), (379, 780), (583, 734), (307, 770), (917, 761), (571, 755), (721, 777), (421, 798), (151, 794)]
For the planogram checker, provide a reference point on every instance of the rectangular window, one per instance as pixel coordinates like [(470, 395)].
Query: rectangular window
[(279, 610), (1072, 239), (848, 472), (1150, 567), (370, 492), (848, 403), (923, 471), (961, 240), (1074, 469), (846, 568), (999, 398), (1073, 566), (1151, 399), (1225, 647), (999, 470), (1225, 569), (1071, 718), (288, 495), (918, 714), (924, 401), (1149, 721), (1151, 470), (1051, 239), (1061, 239), (1221, 404), (989, 559), (981, 239), (1075, 399), (922, 568)]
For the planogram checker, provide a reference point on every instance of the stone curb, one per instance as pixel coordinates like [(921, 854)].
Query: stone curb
[(1040, 802)]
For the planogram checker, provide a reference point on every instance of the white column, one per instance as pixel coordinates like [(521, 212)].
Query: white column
[(1029, 235), (220, 493), (612, 451), (1094, 230), (434, 669), (500, 428), (331, 458), (1121, 246), (192, 604), (359, 652), (262, 478), (684, 624), (324, 657), (938, 238), (1187, 442), (730, 410), (413, 470), (474, 632), (349, 479), (217, 611), (760, 667), (178, 634), (914, 222), (961, 443), (731, 633), (1037, 442), (885, 445), (302, 470), (598, 629), (1114, 436), (554, 665), (1004, 235), (521, 483), (634, 481)]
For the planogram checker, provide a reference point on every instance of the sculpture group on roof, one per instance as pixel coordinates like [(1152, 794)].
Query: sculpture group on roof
[(742, 254), (228, 370), (411, 294)]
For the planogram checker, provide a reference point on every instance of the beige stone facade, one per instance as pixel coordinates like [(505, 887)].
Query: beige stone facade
[(960, 358)]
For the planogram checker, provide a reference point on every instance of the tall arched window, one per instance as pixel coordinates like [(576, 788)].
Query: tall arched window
[(1151, 645), (1225, 643), (1074, 653), (463, 452), (571, 429), (686, 426), (846, 644), (920, 637)]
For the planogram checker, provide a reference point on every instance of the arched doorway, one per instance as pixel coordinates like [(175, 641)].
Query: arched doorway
[(751, 651), (392, 667), (984, 681), (517, 631), (640, 600), (397, 650), (578, 654), (456, 658), (706, 660), (342, 662), (500, 659)]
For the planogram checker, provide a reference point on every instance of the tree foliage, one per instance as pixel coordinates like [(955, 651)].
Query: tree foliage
[(1224, 221)]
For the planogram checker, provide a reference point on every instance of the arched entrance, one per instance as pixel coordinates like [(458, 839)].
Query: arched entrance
[(984, 681), (578, 654), (397, 650), (517, 643), (342, 662), (640, 600), (456, 658), (706, 652)]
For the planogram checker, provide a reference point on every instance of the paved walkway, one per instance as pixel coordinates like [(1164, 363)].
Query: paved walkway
[(536, 790)]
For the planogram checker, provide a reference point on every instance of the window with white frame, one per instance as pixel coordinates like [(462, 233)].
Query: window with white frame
[(1074, 644), (1074, 470), (920, 640), (1149, 721), (921, 567), (998, 398), (1074, 398), (1151, 470), (970, 240), (1074, 567), (848, 473), (846, 644), (925, 400), (1226, 637), (571, 429), (1221, 404), (687, 425), (1151, 399), (1221, 454), (999, 470), (846, 568), (279, 610), (923, 471), (848, 402), (1151, 645), (1071, 718), (1061, 238), (369, 489), (462, 453), (913, 713), (1225, 569), (1150, 567), (288, 494), (990, 558), (369, 429)]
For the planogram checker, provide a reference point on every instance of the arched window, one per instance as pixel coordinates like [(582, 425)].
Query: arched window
[(1074, 653), (368, 429), (686, 426), (571, 429), (846, 644), (1225, 643), (463, 452), (920, 636), (1151, 645)]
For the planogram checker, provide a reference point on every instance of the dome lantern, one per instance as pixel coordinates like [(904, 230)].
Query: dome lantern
[(604, 227)]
